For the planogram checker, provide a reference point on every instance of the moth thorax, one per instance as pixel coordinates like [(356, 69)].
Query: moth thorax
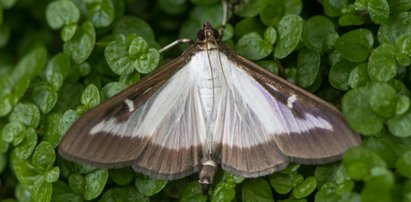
[(208, 170)]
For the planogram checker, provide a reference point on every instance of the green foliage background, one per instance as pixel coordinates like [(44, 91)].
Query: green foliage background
[(60, 58)]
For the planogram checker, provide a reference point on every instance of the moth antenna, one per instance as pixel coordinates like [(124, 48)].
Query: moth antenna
[(225, 18), (176, 42)]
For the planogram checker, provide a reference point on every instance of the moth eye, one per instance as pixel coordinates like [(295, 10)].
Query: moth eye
[(201, 35)]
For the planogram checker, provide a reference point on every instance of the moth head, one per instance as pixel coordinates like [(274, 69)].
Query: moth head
[(207, 34)]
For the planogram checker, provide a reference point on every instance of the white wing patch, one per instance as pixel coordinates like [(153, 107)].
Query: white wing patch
[(130, 104), (291, 100)]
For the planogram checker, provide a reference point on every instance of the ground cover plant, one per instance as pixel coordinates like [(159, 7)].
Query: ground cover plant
[(58, 59)]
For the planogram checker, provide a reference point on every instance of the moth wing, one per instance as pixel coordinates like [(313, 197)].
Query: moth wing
[(314, 131), (138, 127), (267, 122)]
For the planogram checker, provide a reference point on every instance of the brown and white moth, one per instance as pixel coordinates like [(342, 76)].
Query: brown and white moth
[(209, 106)]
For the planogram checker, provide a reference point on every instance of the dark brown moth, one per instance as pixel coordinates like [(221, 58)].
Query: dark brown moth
[(207, 107)]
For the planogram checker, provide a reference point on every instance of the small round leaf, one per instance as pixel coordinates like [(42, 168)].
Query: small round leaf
[(62, 12), (382, 65), (289, 30), (253, 47), (149, 186), (43, 157), (355, 45)]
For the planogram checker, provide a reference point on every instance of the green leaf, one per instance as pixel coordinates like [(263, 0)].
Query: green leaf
[(316, 31), (30, 65), (61, 192), (358, 76), (396, 25), (283, 183), (111, 89), (117, 53), (67, 120), (147, 62), (403, 104), (149, 186), (382, 65), (100, 12), (270, 65), (402, 59), (333, 8), (355, 45), (77, 183), (308, 67), (5, 105), (248, 25), (377, 9), (350, 19), (4, 146), (358, 112), (11, 130), (271, 11), (248, 8), (43, 157), (52, 175), (403, 164), (256, 190), (129, 79), (340, 73), (383, 99), (25, 172), (400, 125), (123, 194), (330, 192), (137, 46), (223, 191), (388, 147), (26, 148), (57, 68), (173, 7), (82, 44), (22, 193), (90, 96), (379, 186), (192, 192), (44, 96), (305, 188), (399, 6), (359, 162), (403, 44), (253, 47), (50, 127), (68, 32), (289, 30), (62, 12), (42, 191), (95, 182), (122, 176), (270, 35), (211, 14), (131, 25)]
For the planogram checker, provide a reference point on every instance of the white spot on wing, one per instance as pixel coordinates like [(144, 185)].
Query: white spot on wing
[(291, 100), (130, 104)]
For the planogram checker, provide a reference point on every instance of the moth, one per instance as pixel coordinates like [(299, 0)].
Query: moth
[(209, 106)]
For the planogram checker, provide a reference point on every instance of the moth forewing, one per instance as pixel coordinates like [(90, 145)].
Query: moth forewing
[(209, 106)]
